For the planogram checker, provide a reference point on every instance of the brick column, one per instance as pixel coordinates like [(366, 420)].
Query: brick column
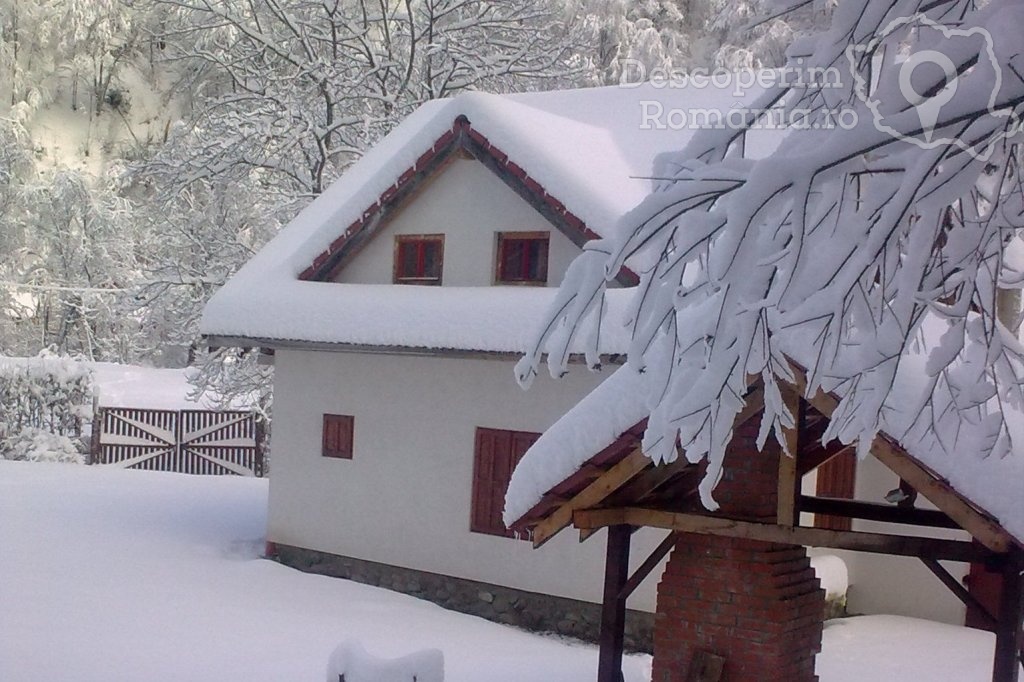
[(757, 605), (752, 609)]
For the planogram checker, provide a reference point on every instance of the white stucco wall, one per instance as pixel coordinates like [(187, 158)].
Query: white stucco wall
[(470, 205), (404, 498)]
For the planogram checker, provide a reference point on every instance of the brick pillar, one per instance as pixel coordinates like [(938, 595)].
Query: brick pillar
[(753, 609)]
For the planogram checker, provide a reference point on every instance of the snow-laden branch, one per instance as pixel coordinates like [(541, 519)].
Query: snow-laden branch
[(870, 254)]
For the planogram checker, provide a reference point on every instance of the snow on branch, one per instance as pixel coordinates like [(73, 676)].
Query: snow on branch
[(871, 247)]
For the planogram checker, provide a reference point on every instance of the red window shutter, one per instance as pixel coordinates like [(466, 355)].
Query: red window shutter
[(337, 436), (496, 454), (836, 478)]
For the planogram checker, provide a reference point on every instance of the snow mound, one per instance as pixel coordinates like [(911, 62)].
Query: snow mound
[(350, 662), (831, 571)]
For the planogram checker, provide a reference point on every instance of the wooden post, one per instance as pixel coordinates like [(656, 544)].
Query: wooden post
[(613, 607), (789, 480), (1006, 667)]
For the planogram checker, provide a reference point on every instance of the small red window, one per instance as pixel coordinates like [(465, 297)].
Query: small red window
[(496, 454), (522, 258), (419, 258), (337, 436)]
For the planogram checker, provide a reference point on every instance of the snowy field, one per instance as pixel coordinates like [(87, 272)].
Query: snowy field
[(122, 575)]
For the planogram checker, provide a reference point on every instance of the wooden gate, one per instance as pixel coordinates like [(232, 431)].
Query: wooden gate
[(184, 441)]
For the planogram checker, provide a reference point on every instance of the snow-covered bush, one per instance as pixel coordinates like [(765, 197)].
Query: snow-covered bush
[(33, 444), (351, 663), (43, 403)]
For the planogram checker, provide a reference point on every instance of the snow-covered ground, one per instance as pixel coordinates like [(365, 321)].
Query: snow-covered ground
[(128, 575)]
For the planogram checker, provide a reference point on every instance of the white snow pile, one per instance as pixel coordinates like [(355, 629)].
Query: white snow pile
[(351, 663), (833, 574), (164, 570)]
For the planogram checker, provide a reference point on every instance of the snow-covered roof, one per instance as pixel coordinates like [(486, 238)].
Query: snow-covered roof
[(587, 148), (487, 319), (994, 484)]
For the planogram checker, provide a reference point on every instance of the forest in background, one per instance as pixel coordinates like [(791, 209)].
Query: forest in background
[(149, 147)]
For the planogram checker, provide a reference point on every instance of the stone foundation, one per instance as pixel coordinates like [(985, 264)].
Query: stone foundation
[(528, 610)]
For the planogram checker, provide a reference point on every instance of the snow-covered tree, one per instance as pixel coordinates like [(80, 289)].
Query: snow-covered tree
[(292, 91), (870, 247), (633, 41)]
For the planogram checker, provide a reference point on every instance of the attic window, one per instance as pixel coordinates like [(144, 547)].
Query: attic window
[(522, 258), (419, 258)]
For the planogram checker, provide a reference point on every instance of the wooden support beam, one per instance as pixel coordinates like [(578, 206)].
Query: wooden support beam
[(983, 529), (591, 496), (613, 607), (877, 543), (789, 482), (1006, 666), (937, 490), (875, 511), (644, 569), (649, 480), (957, 589)]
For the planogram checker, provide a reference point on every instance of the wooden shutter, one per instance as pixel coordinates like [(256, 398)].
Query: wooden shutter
[(836, 478), (496, 454), (337, 436)]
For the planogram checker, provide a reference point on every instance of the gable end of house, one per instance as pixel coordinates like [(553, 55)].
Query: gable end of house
[(462, 138)]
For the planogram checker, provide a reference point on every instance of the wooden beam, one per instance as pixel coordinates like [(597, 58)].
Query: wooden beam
[(983, 529), (875, 511), (591, 496), (937, 490), (613, 606), (789, 482), (644, 569), (649, 480), (877, 543), (957, 589), (1006, 663)]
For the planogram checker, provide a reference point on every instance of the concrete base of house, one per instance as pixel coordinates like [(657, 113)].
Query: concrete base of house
[(527, 610)]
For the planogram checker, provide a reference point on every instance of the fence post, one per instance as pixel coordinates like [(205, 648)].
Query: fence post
[(257, 464), (94, 437)]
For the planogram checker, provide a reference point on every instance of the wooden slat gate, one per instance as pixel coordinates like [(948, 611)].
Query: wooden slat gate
[(184, 441)]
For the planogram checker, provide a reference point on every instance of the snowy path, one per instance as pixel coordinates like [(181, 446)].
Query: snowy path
[(113, 575)]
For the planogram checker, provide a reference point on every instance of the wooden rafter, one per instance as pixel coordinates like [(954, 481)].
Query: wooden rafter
[(592, 495), (634, 470), (878, 543), (937, 490), (874, 511)]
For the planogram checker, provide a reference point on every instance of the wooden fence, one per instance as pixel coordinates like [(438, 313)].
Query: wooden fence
[(184, 441)]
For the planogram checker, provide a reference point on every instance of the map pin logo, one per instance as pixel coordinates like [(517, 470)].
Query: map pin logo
[(928, 107)]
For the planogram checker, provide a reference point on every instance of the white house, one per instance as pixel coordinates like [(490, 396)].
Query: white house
[(396, 305)]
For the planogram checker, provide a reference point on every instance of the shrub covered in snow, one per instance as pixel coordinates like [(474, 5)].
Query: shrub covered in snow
[(38, 445), (43, 403), (351, 663)]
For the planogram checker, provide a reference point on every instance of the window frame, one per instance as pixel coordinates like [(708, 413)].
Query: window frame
[(503, 240), (487, 499), (418, 239), (337, 436)]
